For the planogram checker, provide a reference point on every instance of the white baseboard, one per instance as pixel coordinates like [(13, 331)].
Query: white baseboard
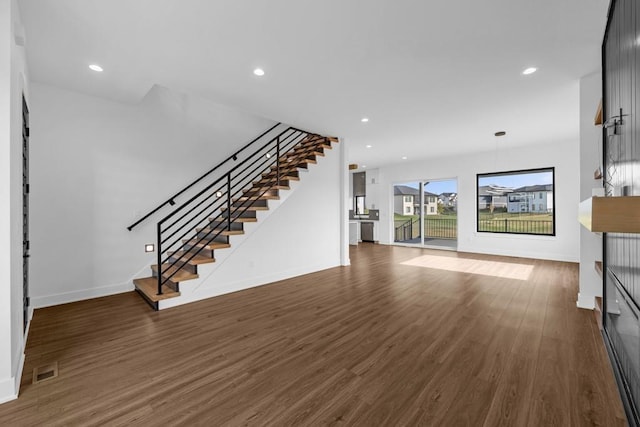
[(240, 285), (67, 297), (10, 388), (588, 302)]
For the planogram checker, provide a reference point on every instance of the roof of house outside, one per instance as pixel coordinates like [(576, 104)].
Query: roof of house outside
[(534, 188), (405, 190), (494, 190)]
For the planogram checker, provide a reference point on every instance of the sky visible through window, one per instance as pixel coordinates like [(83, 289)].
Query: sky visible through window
[(437, 187), (517, 180)]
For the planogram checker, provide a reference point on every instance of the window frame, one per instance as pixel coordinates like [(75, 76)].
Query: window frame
[(508, 196)]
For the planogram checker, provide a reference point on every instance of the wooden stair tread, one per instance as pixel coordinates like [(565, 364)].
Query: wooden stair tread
[(248, 208), (301, 154), (203, 244), (238, 219), (261, 197), (270, 178), (149, 287), (196, 260), (180, 276), (223, 233), (256, 188)]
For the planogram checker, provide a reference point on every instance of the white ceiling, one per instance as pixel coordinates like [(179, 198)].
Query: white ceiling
[(435, 78)]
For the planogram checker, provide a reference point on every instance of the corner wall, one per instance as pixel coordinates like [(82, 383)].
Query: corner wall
[(13, 82), (563, 155)]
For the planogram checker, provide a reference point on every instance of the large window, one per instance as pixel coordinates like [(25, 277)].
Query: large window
[(517, 202)]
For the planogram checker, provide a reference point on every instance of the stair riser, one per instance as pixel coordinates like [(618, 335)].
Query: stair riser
[(190, 268), (254, 202), (235, 226), (261, 191), (239, 214), (289, 167), (206, 237), (293, 172)]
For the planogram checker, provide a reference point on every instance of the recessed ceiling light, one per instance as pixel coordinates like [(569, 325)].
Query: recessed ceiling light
[(404, 157), (364, 119), (500, 133), (96, 67), (364, 166), (368, 145), (529, 70), (258, 72)]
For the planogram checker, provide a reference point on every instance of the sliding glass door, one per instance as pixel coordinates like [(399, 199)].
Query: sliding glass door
[(425, 213), (407, 214)]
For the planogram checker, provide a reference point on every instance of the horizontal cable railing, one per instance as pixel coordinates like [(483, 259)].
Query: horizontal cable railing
[(172, 200), (207, 218)]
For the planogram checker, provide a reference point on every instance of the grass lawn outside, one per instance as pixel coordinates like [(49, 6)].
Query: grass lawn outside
[(525, 223)]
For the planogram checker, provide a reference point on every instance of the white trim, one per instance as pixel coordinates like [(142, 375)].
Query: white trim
[(7, 390), (587, 302), (84, 294), (242, 284), (8, 395), (344, 203)]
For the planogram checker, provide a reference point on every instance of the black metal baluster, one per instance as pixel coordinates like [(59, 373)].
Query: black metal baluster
[(159, 246), (229, 201), (278, 159)]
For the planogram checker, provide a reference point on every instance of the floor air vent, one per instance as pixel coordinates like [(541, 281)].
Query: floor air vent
[(45, 372)]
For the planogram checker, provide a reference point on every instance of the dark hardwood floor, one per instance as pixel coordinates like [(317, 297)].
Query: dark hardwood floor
[(377, 343)]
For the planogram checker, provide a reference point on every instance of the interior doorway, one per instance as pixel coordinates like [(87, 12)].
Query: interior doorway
[(425, 213)]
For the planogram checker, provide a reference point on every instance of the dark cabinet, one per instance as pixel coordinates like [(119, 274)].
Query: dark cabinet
[(366, 231)]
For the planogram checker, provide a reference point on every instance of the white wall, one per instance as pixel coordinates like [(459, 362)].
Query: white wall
[(590, 159), (97, 165), (13, 78), (299, 234), (564, 156)]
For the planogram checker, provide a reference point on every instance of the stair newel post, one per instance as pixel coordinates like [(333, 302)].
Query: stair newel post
[(159, 256), (278, 160), (229, 201)]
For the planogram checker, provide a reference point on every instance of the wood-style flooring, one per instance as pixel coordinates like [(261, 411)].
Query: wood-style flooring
[(379, 343)]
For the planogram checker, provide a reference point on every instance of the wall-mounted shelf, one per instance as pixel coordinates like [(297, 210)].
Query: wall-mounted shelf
[(598, 119), (611, 214)]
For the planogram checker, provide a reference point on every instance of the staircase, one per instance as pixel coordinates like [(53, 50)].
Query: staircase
[(191, 234)]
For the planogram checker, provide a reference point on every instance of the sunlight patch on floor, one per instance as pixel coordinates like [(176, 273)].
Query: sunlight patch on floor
[(505, 270)]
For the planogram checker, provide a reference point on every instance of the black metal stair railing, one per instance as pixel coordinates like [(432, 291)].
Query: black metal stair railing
[(208, 216), (172, 200)]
